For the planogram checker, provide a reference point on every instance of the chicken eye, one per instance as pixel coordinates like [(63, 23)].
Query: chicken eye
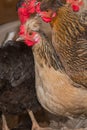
[(30, 33), (47, 10)]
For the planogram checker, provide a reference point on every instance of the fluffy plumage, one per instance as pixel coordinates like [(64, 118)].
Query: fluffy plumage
[(17, 78), (70, 41), (55, 90)]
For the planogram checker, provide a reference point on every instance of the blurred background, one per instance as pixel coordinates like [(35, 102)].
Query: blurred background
[(8, 11)]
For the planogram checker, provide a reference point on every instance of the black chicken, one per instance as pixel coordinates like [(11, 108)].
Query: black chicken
[(17, 78)]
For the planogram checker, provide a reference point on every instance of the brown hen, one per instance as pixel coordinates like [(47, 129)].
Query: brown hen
[(69, 38), (55, 90)]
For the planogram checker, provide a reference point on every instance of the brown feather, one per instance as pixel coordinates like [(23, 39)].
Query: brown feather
[(70, 42)]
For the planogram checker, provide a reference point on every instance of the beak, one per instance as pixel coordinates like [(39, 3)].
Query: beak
[(20, 38)]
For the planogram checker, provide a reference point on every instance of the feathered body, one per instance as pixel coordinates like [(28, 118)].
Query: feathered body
[(69, 38), (70, 41), (54, 87), (17, 78), (83, 13), (55, 90)]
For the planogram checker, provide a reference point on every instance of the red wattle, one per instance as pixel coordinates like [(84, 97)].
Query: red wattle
[(47, 20), (29, 43), (75, 8)]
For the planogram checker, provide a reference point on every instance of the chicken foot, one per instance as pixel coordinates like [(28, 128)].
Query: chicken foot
[(35, 125), (4, 123)]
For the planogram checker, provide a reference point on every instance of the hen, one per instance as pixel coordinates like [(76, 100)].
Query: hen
[(55, 90), (69, 38)]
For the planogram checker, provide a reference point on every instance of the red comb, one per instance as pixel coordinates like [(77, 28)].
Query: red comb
[(23, 14), (27, 8), (31, 6)]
